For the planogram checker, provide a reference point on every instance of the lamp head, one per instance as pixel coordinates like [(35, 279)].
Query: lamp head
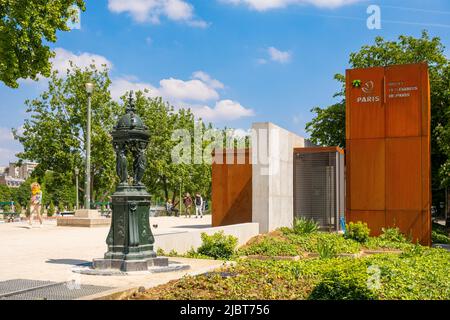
[(89, 87)]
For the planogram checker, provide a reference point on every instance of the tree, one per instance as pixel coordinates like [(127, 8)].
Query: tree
[(163, 177), (22, 194), (25, 29), (55, 134), (5, 193), (327, 127)]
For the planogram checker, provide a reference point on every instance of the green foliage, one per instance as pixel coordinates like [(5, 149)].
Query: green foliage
[(440, 234), (310, 243), (422, 275), (218, 245), (440, 238), (326, 249), (6, 193), (28, 210), (54, 133), (344, 284), (22, 194), (26, 28), (392, 235), (358, 231), (51, 210), (304, 226), (328, 126), (18, 208), (164, 177), (271, 247)]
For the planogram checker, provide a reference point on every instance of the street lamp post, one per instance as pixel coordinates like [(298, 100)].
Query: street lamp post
[(77, 171), (87, 200)]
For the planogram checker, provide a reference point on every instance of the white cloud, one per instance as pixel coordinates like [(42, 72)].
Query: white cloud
[(264, 5), (213, 83), (191, 90), (151, 11), (6, 135), (224, 110), (8, 146), (201, 88), (121, 85), (261, 61), (61, 62), (279, 56), (187, 94)]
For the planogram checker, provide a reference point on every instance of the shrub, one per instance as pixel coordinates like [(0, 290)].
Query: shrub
[(344, 284), (358, 231), (270, 247), (439, 238), (392, 235), (305, 226), (326, 249), (51, 210), (18, 208), (28, 211), (218, 245)]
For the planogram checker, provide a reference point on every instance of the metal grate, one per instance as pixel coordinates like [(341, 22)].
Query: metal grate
[(17, 285), (21, 289), (318, 188)]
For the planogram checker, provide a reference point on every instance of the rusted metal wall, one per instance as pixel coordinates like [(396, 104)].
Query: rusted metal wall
[(388, 149), (231, 187)]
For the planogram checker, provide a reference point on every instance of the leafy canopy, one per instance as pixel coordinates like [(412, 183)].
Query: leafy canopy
[(25, 29)]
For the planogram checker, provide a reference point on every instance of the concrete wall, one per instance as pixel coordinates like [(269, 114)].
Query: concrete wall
[(272, 177), (184, 241)]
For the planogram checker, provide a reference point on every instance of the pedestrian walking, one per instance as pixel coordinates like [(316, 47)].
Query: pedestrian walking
[(187, 201), (35, 204), (198, 205)]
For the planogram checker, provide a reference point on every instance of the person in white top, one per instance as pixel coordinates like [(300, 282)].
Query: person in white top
[(198, 205)]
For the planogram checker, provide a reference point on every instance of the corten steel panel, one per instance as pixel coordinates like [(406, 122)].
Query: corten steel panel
[(366, 117), (410, 222), (404, 93), (366, 177), (376, 220), (231, 190), (426, 228), (403, 174), (403, 101)]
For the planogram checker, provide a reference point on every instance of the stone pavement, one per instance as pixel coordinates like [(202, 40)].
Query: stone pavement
[(49, 254)]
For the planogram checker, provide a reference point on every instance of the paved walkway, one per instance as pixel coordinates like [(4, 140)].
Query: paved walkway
[(49, 253)]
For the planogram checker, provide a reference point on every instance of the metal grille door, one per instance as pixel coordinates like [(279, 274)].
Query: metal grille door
[(316, 188)]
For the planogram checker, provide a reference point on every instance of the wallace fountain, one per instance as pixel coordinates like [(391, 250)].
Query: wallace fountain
[(130, 240)]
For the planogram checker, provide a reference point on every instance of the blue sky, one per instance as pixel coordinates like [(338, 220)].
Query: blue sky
[(233, 61)]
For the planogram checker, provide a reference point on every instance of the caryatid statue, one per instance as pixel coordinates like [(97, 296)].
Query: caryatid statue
[(130, 134)]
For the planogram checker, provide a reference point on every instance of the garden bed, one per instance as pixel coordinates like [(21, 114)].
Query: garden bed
[(307, 264)]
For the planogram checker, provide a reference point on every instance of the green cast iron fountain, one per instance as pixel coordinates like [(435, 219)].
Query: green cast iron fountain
[(130, 239)]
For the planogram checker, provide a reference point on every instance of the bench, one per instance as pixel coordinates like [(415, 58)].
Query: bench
[(10, 216), (67, 213)]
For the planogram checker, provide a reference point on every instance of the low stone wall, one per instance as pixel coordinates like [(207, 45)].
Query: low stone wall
[(184, 241)]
